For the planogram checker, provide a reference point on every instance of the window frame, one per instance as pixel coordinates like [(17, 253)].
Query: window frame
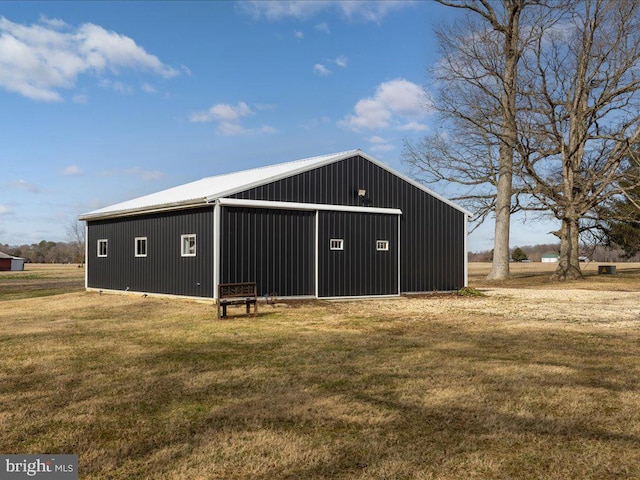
[(136, 245), (99, 243), (336, 244), (185, 237), (382, 245)]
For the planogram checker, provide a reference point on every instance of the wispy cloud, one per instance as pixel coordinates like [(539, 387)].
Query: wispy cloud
[(298, 34), (141, 173), (24, 185), (148, 88), (323, 27), (393, 105), (222, 112), (116, 86), (380, 144), (228, 117), (341, 61), (320, 69), (39, 60), (4, 210), (148, 175), (413, 127), (71, 171), (383, 147), (365, 10)]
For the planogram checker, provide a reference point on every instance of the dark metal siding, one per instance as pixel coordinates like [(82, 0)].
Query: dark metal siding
[(274, 248), (164, 270), (432, 232), (359, 269)]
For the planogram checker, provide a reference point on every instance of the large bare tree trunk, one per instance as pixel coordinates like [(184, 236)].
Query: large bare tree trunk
[(500, 265), (569, 261)]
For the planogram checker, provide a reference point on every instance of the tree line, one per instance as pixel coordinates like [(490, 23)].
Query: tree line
[(534, 253), (538, 105), (71, 251), (47, 252)]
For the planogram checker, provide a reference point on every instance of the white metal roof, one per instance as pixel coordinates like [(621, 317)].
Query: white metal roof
[(209, 189)]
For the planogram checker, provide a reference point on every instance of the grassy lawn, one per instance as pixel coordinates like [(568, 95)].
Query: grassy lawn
[(429, 387)]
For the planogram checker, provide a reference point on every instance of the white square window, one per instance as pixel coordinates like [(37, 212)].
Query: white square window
[(141, 246), (188, 243), (336, 244), (382, 245), (102, 248)]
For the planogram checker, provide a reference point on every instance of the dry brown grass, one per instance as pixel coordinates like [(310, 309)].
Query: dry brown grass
[(502, 386)]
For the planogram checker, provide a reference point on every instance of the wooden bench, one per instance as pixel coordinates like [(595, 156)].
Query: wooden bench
[(237, 294)]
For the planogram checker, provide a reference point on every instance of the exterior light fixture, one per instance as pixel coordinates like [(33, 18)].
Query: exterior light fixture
[(362, 192)]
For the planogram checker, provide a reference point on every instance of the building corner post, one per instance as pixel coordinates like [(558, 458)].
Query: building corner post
[(86, 255), (466, 251), (216, 248)]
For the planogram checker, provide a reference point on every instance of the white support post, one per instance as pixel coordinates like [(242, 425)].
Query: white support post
[(399, 257), (86, 255), (466, 253), (216, 248), (317, 254)]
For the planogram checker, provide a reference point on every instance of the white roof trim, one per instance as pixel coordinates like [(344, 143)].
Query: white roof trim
[(238, 202), (209, 189)]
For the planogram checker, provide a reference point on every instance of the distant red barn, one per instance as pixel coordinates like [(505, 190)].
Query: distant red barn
[(8, 263)]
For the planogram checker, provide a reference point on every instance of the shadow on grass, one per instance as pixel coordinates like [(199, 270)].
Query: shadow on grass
[(431, 399)]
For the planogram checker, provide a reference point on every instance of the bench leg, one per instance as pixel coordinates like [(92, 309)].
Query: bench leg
[(224, 310), (248, 308)]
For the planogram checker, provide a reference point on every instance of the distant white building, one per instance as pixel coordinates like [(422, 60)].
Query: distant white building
[(550, 258)]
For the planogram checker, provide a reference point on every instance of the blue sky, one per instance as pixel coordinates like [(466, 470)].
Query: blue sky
[(106, 101)]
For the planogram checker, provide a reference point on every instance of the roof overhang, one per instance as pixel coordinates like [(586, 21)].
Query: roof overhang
[(167, 207)]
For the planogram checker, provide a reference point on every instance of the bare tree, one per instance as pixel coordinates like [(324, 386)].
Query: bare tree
[(477, 102), (76, 238), (579, 115)]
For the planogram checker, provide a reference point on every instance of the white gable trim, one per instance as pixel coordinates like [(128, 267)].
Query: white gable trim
[(333, 159), (286, 171)]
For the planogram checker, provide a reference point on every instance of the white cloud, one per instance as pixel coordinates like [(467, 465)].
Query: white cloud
[(413, 127), (71, 170), (148, 88), (234, 130), (323, 27), (229, 116), (222, 112), (379, 144), (4, 210), (298, 34), (383, 147), (54, 23), (342, 61), (37, 61), (364, 10), (394, 102), (321, 70), (116, 86)]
